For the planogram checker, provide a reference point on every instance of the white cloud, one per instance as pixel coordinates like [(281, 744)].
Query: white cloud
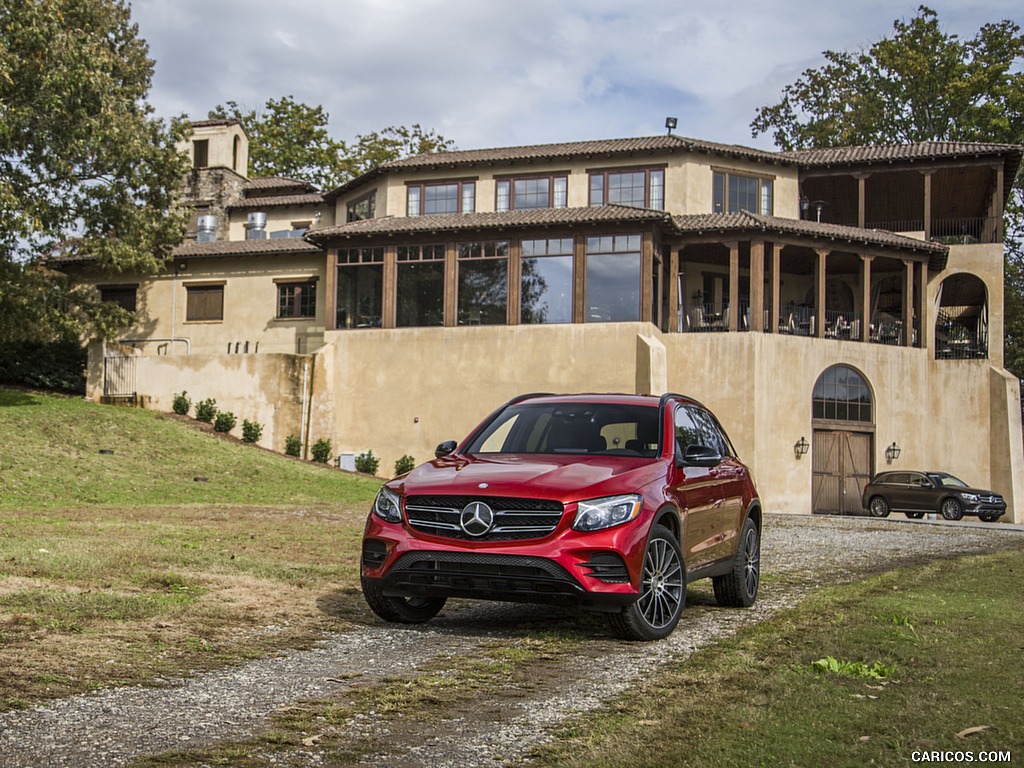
[(494, 73)]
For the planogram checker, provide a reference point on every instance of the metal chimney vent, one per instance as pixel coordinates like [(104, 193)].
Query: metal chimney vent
[(207, 229), (256, 229)]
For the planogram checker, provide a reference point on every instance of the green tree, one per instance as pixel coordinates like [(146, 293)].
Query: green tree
[(920, 84), (85, 170), (289, 138)]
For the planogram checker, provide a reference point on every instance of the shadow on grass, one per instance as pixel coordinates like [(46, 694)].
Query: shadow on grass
[(14, 397)]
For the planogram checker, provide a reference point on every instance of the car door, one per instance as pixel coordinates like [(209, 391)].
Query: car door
[(920, 494), (733, 478), (897, 490), (698, 494)]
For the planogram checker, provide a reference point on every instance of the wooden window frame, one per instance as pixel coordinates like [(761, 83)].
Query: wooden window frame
[(193, 291), (122, 288), (304, 306), (604, 173), (511, 180), (422, 186), (350, 206), (728, 173)]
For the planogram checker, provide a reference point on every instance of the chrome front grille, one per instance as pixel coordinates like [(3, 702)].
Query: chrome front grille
[(514, 518), (989, 499)]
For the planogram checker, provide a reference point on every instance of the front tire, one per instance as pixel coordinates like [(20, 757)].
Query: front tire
[(401, 610), (951, 509), (662, 591), (878, 507), (738, 588)]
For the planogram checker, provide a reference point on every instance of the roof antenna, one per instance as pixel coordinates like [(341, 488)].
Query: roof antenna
[(670, 123)]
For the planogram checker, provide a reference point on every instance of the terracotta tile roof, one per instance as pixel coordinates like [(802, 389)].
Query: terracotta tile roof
[(391, 225), (745, 222), (219, 248), (887, 153), (277, 201), (263, 183), (600, 148)]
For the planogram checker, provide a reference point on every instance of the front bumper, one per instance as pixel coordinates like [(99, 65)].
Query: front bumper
[(598, 570)]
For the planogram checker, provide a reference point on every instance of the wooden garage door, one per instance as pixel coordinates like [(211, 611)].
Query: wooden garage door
[(841, 469)]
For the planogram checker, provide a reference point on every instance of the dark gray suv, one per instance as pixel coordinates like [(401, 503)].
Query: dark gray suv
[(917, 493)]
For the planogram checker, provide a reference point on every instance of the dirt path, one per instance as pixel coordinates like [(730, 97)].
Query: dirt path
[(117, 726)]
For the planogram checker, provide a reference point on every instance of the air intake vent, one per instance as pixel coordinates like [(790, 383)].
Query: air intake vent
[(207, 229)]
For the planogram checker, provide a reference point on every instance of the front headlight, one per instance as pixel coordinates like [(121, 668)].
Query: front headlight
[(597, 514), (969, 496), (387, 506)]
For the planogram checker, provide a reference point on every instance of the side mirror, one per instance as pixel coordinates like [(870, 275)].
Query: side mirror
[(700, 456), (445, 448)]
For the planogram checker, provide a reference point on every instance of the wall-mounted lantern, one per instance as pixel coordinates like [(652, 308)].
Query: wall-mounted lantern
[(892, 453), (801, 447)]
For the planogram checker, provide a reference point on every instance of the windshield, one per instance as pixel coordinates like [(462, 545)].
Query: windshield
[(585, 428), (948, 481)]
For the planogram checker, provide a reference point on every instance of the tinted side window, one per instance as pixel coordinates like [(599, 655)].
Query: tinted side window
[(897, 478), (709, 432), (687, 432)]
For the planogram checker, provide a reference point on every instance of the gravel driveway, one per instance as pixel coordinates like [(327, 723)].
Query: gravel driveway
[(116, 726)]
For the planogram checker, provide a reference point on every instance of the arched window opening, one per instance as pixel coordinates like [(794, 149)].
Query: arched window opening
[(842, 394), (961, 322)]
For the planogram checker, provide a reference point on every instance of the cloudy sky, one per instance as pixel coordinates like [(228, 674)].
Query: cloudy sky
[(492, 73)]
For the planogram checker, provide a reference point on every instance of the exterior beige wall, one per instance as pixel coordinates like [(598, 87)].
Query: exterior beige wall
[(221, 147), (250, 306), (688, 182), (278, 218), (939, 412), (265, 388), (986, 263)]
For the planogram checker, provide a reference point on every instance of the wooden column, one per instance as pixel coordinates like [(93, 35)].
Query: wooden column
[(997, 205), (331, 291), (923, 322), (776, 286), (390, 308), (515, 282), (673, 290), (928, 205), (757, 286), (734, 285), (579, 274), (861, 199), (451, 285), (647, 279), (819, 293), (865, 297), (906, 338)]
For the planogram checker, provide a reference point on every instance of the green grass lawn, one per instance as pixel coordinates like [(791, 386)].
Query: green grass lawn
[(50, 457), (946, 639), (119, 568)]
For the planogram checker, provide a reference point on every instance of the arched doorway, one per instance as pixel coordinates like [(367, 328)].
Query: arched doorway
[(842, 456)]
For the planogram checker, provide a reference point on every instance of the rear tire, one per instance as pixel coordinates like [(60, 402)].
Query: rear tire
[(878, 507), (662, 591), (401, 610), (738, 588)]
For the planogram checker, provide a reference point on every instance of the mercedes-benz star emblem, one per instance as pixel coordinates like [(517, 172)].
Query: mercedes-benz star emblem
[(476, 518)]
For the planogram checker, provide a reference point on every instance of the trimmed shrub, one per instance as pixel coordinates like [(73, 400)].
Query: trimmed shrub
[(252, 431), (292, 445), (404, 464), (367, 463), (224, 422), (321, 450), (54, 365), (181, 404), (206, 410)]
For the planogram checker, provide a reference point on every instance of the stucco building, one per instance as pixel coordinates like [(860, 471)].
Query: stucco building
[(831, 305)]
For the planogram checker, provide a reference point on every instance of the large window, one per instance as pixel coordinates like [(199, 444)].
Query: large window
[(204, 302), (125, 296), (547, 281), (436, 199), (842, 394), (362, 208), (483, 283), (732, 193), (531, 192), (643, 188), (296, 299), (613, 278), (360, 287), (420, 285)]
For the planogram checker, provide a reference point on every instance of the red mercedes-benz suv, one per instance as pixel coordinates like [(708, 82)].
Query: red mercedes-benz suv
[(611, 502)]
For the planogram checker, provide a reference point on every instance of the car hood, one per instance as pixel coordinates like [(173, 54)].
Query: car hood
[(564, 478)]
